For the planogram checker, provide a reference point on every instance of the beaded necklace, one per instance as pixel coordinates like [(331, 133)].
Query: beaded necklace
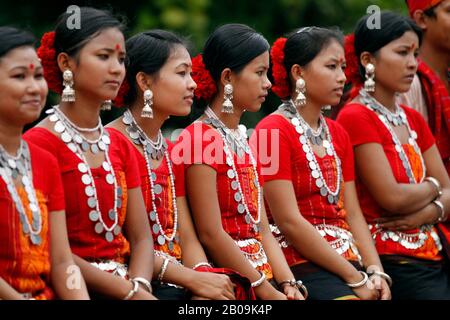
[(12, 167), (149, 149), (78, 144)]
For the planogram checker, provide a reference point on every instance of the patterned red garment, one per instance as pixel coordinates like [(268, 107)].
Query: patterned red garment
[(163, 201), (84, 241), (197, 144), (24, 266), (292, 165), (364, 126), (438, 103)]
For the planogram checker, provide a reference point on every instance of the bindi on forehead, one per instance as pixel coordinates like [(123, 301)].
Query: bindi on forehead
[(118, 47), (31, 66)]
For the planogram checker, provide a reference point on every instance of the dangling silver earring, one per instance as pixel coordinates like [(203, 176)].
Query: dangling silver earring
[(68, 94), (369, 84), (147, 111), (106, 105), (227, 106), (300, 90)]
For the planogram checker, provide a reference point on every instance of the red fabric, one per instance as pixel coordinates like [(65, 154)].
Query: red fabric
[(364, 126), (201, 144), (293, 166), (84, 241), (24, 266), (162, 201), (438, 103), (414, 5), (242, 286)]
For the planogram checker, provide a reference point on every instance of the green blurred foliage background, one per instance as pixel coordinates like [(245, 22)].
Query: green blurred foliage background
[(195, 19)]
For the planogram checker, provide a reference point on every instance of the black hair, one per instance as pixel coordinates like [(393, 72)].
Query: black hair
[(393, 26), (304, 44), (14, 38), (232, 46), (431, 12), (148, 52), (71, 40)]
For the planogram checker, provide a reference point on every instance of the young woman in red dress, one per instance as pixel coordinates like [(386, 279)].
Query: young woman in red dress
[(107, 226), (35, 260), (159, 85), (309, 175), (223, 181), (403, 186)]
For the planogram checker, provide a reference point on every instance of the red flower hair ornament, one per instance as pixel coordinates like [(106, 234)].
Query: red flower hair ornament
[(280, 77), (206, 86), (47, 53)]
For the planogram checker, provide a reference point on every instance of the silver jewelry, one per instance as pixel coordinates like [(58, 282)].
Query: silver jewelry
[(260, 281), (303, 129), (202, 264), (163, 269), (148, 147), (360, 283), (144, 282), (300, 90), (68, 94), (106, 105), (437, 185), (369, 84), (440, 206), (383, 275), (19, 166), (147, 111), (296, 284), (227, 106), (233, 174), (78, 144), (133, 291), (373, 105)]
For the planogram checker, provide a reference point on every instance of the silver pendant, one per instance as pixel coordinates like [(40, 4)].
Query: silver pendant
[(86, 179), (94, 148), (106, 166), (109, 178), (155, 228), (315, 174), (66, 137), (59, 127), (35, 239), (82, 167), (161, 240), (84, 146), (89, 191), (72, 147), (234, 185), (323, 191), (98, 227), (53, 118), (171, 245), (157, 189), (112, 214), (319, 183), (152, 215), (93, 216), (247, 219), (92, 202), (237, 197), (106, 139), (230, 174), (109, 236), (117, 230), (78, 139), (241, 208), (101, 145)]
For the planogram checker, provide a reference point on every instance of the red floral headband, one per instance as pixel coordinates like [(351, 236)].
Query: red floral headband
[(206, 86), (119, 101), (352, 70), (47, 53), (280, 77)]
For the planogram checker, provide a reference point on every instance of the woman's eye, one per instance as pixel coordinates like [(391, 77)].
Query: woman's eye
[(103, 56), (39, 75), (19, 76), (331, 66)]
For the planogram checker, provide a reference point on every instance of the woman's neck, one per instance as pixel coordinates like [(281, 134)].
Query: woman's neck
[(231, 120), (84, 112), (386, 97), (311, 114), (10, 137)]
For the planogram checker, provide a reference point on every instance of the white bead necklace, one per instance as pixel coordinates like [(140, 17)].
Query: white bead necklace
[(232, 173), (21, 166), (156, 189), (87, 178)]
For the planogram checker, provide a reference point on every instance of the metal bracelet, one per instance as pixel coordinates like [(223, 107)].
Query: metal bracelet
[(435, 182), (163, 269), (259, 282), (297, 284), (144, 282), (133, 291), (441, 208), (383, 275), (360, 283), (202, 264)]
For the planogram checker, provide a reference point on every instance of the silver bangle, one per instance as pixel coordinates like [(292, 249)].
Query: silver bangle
[(435, 182), (202, 264), (133, 291), (297, 284), (163, 270), (441, 208), (144, 282), (360, 283), (259, 282), (383, 275)]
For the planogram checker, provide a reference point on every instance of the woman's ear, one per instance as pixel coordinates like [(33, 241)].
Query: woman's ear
[(226, 77), (296, 72), (367, 58), (64, 62), (143, 81)]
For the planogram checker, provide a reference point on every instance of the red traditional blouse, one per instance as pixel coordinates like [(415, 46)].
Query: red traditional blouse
[(364, 126), (282, 158), (163, 200), (26, 267), (201, 144), (84, 241)]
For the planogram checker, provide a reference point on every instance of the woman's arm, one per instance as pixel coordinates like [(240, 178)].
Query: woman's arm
[(138, 232), (396, 198), (301, 234), (66, 277), (431, 213), (277, 260), (7, 292), (202, 193), (362, 236)]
